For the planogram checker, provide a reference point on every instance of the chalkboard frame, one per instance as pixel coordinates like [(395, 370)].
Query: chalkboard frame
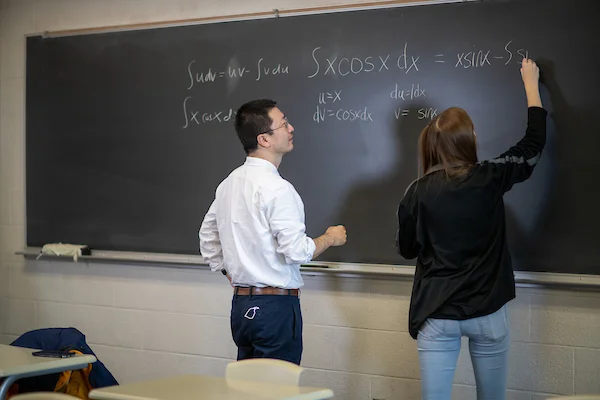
[(276, 14)]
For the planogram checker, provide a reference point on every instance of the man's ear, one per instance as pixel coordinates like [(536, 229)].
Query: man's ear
[(263, 141)]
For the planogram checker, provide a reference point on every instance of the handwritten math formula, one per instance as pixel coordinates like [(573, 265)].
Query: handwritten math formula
[(404, 66)]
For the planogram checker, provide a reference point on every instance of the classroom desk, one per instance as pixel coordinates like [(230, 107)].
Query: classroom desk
[(17, 363), (200, 387)]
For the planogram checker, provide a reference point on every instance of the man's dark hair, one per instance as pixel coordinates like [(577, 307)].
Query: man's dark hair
[(251, 120)]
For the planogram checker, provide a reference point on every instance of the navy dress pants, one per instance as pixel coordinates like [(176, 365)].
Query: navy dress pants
[(267, 326)]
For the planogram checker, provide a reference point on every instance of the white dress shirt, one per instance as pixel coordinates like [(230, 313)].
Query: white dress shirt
[(255, 230)]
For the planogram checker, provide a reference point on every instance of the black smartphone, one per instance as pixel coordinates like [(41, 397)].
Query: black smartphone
[(53, 353)]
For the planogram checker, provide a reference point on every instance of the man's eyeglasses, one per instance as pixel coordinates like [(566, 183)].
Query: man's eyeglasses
[(286, 123)]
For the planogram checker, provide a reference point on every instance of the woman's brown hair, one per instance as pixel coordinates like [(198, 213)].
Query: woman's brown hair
[(448, 143)]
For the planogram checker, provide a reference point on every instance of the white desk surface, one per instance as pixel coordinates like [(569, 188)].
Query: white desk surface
[(19, 361), (200, 387)]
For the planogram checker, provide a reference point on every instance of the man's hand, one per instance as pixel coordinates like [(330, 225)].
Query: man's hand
[(338, 233), (334, 236)]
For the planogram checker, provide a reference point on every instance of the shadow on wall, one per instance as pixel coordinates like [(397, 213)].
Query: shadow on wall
[(377, 222)]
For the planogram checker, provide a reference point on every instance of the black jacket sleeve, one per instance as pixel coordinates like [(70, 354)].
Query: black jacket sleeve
[(517, 164)]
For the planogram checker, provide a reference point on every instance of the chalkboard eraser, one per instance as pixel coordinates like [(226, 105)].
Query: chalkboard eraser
[(63, 249), (316, 266)]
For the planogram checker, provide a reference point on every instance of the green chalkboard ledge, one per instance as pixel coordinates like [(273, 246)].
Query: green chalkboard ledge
[(371, 271)]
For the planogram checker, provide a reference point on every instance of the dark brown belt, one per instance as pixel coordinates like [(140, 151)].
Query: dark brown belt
[(246, 291)]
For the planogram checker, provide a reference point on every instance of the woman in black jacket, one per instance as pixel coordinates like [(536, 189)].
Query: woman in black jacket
[(452, 219)]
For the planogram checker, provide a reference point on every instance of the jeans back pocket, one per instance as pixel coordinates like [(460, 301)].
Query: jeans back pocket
[(432, 328), (494, 327)]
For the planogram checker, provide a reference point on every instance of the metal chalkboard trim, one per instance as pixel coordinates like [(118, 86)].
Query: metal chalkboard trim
[(275, 13), (355, 270)]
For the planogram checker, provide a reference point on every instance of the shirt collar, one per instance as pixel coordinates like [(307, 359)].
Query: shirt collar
[(259, 162)]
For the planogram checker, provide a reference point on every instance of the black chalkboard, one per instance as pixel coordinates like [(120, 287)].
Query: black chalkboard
[(129, 133)]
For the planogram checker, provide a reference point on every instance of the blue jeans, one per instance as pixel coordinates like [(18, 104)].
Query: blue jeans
[(439, 346)]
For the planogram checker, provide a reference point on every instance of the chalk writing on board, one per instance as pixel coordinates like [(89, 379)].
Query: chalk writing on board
[(198, 118), (202, 77), (235, 72), (276, 69), (333, 65), (409, 93), (406, 64), (344, 66), (509, 52), (523, 53), (193, 115), (427, 113), (330, 97), (483, 58), (340, 114), (209, 75), (401, 112), (218, 116), (422, 113), (473, 59)]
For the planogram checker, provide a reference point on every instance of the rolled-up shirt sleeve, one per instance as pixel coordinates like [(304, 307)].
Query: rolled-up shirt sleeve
[(210, 244), (285, 214)]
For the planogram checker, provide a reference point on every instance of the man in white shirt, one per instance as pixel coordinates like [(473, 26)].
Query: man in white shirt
[(254, 233)]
